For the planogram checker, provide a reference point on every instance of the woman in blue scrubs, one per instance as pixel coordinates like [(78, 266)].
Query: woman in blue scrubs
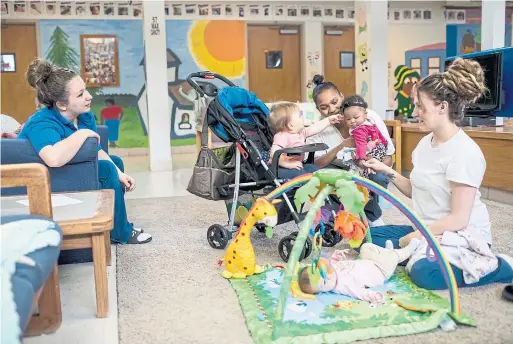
[(58, 130)]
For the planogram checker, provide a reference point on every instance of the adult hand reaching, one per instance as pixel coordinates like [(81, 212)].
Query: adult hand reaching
[(127, 181), (376, 166), (335, 119)]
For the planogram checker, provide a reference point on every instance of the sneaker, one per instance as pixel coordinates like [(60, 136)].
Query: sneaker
[(377, 223), (139, 238)]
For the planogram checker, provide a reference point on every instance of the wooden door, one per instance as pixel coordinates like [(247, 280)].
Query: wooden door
[(18, 98), (274, 62), (339, 57)]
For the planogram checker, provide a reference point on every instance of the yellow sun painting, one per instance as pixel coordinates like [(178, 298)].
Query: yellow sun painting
[(219, 46)]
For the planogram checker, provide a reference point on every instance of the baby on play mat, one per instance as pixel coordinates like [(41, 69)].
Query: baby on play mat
[(352, 277)]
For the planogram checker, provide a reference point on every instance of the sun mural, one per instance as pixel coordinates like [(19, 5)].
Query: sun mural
[(211, 51)]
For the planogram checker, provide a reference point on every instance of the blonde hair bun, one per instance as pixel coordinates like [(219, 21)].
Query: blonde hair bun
[(465, 77)]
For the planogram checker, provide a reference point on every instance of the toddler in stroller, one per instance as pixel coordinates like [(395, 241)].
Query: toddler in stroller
[(239, 173), (287, 122)]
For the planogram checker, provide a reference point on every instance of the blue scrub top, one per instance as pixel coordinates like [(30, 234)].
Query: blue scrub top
[(47, 127)]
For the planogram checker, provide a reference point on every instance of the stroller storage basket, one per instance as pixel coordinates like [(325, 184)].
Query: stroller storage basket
[(211, 172)]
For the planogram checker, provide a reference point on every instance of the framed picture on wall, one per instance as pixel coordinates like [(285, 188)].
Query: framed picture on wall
[(20, 8), (36, 8), (99, 60), (304, 11), (5, 8), (266, 10), (216, 10), (8, 63), (80, 8), (203, 10)]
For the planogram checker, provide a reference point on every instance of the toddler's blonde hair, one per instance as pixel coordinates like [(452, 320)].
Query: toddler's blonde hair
[(280, 115)]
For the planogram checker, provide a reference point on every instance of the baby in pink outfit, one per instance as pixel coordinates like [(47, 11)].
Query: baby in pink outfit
[(353, 277), (369, 140), (287, 122)]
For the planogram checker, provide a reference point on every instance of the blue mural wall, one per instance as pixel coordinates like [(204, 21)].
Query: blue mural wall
[(466, 38), (130, 46), (191, 45)]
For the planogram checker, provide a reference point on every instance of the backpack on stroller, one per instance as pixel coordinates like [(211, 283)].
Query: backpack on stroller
[(238, 173)]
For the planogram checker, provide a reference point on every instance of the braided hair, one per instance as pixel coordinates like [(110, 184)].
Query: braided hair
[(462, 84), (49, 81)]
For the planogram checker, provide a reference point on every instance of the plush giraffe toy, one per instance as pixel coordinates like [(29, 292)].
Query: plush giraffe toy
[(239, 257)]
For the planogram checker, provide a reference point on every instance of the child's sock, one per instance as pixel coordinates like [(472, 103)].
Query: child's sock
[(406, 252), (389, 245)]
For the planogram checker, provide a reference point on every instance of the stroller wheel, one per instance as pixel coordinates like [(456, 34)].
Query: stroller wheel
[(330, 237), (287, 243), (218, 236), (260, 227)]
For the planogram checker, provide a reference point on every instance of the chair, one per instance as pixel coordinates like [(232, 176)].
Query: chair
[(394, 128), (80, 174), (35, 178)]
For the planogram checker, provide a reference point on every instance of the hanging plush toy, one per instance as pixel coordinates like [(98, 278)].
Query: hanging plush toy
[(321, 263), (350, 227)]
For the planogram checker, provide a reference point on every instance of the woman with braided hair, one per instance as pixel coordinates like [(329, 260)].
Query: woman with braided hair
[(448, 168)]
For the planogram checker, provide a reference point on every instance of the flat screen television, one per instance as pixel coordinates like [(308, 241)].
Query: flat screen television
[(489, 103)]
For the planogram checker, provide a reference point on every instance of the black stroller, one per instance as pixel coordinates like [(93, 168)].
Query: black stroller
[(239, 172)]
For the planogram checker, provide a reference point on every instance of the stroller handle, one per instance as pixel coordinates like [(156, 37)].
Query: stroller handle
[(206, 75)]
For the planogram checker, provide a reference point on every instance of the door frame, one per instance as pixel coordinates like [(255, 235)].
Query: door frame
[(342, 26), (24, 22), (35, 24), (301, 28)]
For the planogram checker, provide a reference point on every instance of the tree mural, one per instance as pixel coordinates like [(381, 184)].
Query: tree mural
[(60, 51)]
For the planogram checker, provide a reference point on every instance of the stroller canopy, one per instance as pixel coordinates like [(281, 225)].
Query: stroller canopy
[(236, 110)]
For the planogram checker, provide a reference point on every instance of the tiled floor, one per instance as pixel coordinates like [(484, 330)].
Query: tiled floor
[(79, 321)]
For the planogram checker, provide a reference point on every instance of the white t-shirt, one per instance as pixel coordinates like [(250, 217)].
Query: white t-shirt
[(459, 160), (331, 136)]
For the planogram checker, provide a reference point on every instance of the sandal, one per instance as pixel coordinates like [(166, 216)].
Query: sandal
[(137, 229), (507, 293), (135, 237)]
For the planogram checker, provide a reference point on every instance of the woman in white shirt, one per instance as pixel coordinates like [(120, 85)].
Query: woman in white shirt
[(329, 100), (448, 168)]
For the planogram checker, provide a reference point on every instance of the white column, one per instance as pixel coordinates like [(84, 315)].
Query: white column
[(493, 24), (313, 54), (155, 57), (371, 37), (493, 29)]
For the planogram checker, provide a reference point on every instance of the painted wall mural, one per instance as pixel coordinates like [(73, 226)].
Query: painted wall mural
[(466, 38), (313, 58), (414, 51), (405, 78), (197, 46), (113, 106), (362, 43), (191, 46)]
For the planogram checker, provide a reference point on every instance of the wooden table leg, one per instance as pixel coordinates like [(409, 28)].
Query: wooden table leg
[(50, 313), (108, 248), (100, 274)]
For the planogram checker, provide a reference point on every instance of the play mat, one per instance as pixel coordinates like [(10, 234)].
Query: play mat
[(334, 318), (277, 311)]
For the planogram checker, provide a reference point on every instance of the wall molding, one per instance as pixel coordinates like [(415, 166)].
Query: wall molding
[(334, 12), (132, 10)]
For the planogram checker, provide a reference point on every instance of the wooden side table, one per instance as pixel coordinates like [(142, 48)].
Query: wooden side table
[(86, 219)]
